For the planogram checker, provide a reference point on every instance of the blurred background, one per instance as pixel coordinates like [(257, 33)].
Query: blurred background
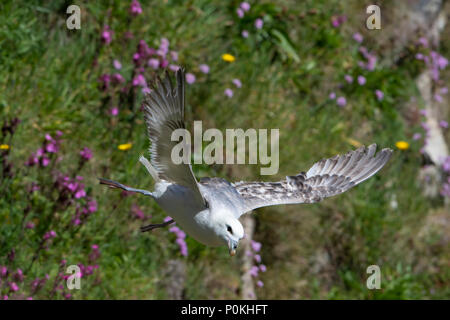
[(70, 112)]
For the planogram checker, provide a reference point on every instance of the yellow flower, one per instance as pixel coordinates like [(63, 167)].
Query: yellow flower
[(228, 57), (4, 147), (354, 142), (402, 145), (125, 146)]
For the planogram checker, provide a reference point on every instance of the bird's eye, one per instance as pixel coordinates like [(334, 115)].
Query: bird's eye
[(229, 229)]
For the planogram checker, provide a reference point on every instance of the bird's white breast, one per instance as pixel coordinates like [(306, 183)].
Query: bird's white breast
[(179, 203)]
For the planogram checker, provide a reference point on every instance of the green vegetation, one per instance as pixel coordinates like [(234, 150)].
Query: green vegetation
[(53, 80)]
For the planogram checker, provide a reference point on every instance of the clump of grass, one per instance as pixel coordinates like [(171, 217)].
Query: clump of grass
[(288, 71)]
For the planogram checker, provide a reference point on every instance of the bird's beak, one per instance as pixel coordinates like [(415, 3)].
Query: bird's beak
[(232, 246)]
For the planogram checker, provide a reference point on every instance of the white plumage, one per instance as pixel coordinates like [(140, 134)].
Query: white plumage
[(209, 210)]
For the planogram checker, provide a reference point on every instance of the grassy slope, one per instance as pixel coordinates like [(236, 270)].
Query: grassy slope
[(48, 79)]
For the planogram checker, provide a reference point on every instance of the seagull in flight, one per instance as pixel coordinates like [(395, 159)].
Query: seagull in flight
[(209, 209)]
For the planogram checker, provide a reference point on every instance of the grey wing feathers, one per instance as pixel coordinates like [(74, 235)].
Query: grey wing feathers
[(163, 113), (326, 178)]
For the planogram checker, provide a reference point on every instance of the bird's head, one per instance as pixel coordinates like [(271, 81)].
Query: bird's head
[(230, 230)]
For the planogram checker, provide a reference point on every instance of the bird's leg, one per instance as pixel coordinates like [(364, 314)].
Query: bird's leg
[(114, 184), (154, 226)]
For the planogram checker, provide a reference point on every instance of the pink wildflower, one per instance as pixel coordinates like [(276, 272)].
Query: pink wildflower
[(204, 68), (245, 6), (341, 101), (237, 83), (154, 63), (107, 35), (379, 94), (190, 78), (117, 65), (228, 92), (135, 8), (86, 153), (361, 80), (259, 23), (358, 37), (114, 111)]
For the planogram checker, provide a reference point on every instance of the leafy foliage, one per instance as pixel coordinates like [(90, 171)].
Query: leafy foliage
[(63, 91)]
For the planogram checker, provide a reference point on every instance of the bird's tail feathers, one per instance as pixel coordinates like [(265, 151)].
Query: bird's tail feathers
[(110, 183)]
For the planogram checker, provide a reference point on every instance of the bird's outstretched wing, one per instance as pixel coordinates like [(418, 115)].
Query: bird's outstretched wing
[(164, 112), (326, 178)]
